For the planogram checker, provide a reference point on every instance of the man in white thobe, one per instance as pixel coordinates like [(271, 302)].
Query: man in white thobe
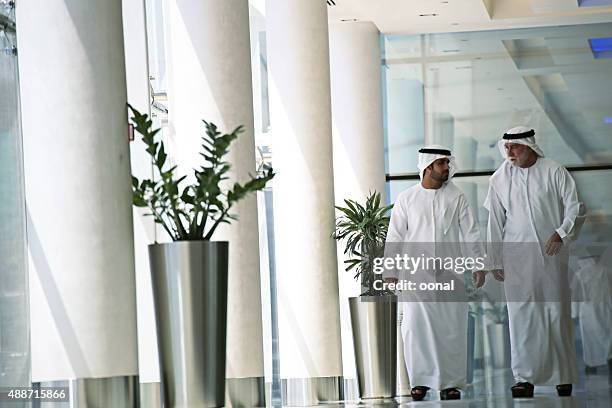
[(434, 214), (533, 209)]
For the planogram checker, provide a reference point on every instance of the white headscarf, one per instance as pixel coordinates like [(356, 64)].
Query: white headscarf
[(519, 135), (437, 152)]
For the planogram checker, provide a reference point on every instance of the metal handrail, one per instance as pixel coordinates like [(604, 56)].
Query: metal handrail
[(415, 176)]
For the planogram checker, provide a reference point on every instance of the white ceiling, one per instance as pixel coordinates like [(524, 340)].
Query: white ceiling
[(404, 16)]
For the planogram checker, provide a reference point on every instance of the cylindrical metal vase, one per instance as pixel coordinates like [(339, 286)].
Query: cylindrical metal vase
[(190, 295), (499, 342), (374, 323), (471, 341)]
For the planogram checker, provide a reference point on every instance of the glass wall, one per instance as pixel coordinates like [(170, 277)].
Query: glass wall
[(463, 90), (14, 321)]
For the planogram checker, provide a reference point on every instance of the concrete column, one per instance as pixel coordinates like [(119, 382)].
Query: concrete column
[(307, 274), (210, 78), (137, 75), (78, 193), (358, 140)]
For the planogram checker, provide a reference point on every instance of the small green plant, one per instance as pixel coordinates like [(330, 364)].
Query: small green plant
[(482, 305), (192, 212), (364, 229)]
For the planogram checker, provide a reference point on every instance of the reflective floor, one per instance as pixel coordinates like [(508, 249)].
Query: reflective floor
[(492, 389)]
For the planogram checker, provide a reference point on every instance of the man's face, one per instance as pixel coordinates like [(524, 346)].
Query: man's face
[(518, 154), (439, 170)]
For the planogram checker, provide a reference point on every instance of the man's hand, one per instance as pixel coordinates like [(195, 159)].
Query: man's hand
[(498, 274), (479, 278), (554, 244)]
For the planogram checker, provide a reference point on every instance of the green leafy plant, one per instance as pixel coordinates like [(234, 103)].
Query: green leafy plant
[(483, 305), (364, 230), (192, 212)]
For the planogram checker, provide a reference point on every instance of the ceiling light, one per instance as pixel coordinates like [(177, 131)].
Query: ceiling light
[(601, 47)]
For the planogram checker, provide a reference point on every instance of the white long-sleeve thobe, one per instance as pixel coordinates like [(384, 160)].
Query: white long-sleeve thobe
[(526, 206), (434, 333)]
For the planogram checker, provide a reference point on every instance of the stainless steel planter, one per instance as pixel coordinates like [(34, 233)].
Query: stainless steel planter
[(471, 342), (374, 337), (190, 295), (499, 343)]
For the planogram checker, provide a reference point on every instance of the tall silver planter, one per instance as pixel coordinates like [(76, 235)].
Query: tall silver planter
[(471, 343), (499, 344), (374, 322), (190, 295)]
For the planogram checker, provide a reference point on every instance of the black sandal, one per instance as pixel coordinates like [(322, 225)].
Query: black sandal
[(419, 392), (450, 394), (564, 390), (522, 390)]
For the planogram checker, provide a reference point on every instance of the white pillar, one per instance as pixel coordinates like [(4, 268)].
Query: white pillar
[(210, 78), (359, 165), (358, 140), (137, 76), (78, 193), (300, 117)]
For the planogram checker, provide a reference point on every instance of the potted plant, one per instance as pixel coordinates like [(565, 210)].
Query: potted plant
[(189, 275), (363, 228)]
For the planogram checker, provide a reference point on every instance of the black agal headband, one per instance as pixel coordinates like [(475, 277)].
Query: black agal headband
[(512, 136), (436, 151)]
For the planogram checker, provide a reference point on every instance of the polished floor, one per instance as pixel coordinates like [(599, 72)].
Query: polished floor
[(493, 390)]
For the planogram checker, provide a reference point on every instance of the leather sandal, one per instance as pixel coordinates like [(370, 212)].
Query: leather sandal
[(419, 392), (564, 390), (522, 390), (450, 394)]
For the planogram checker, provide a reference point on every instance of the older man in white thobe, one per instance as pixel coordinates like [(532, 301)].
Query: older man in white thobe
[(533, 209), (434, 216)]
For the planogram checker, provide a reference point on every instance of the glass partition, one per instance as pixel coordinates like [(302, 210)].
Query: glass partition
[(463, 90), (14, 309)]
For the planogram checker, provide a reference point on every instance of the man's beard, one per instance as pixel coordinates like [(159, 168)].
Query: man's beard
[(439, 176)]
